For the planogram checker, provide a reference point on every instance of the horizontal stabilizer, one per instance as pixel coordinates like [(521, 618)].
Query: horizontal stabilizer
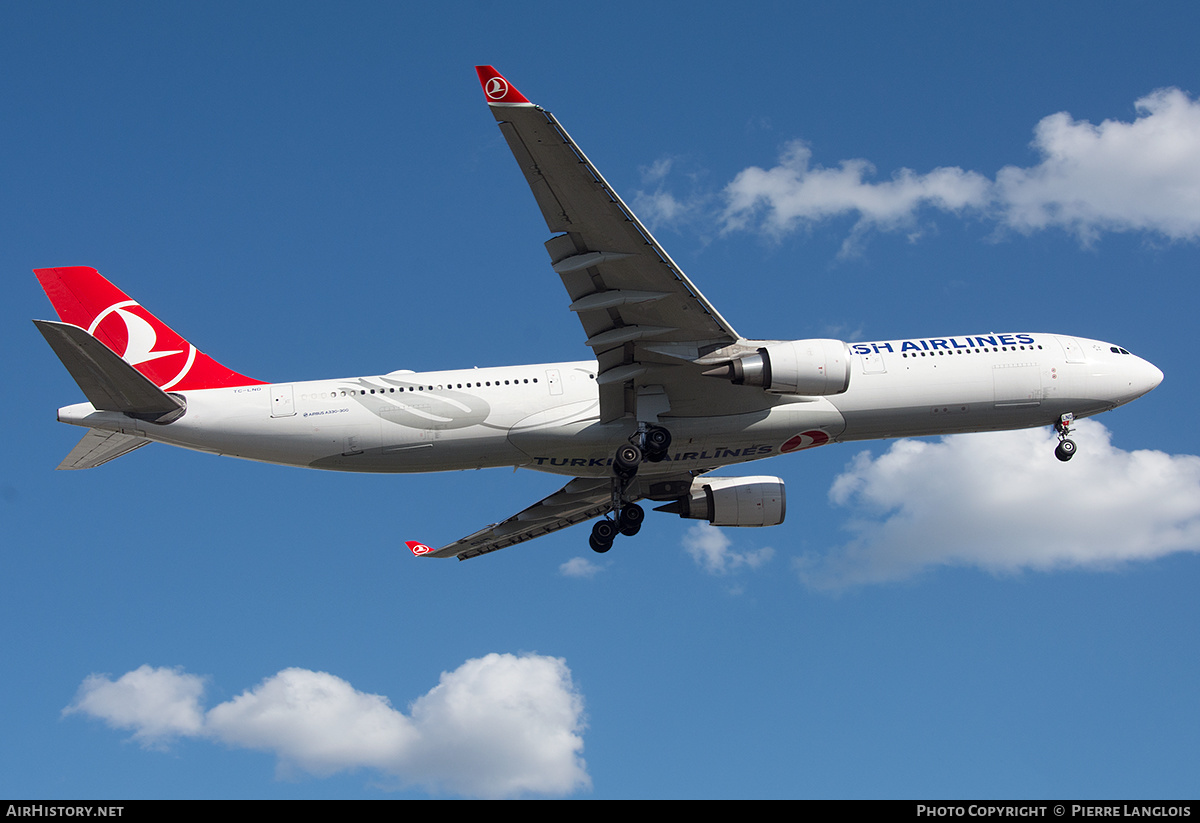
[(98, 447), (108, 382)]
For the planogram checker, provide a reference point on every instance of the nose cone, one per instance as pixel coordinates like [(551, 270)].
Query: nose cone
[(1133, 378), (1147, 377), (1115, 376)]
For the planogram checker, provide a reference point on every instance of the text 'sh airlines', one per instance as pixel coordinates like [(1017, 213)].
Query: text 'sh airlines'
[(943, 344), (670, 393)]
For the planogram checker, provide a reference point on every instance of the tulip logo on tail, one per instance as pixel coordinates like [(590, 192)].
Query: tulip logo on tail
[(804, 440), (135, 337), (418, 548)]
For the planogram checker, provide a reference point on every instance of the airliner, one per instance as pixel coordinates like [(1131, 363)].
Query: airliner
[(670, 393)]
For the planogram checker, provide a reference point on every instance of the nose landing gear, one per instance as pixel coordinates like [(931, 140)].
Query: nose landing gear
[(1065, 449)]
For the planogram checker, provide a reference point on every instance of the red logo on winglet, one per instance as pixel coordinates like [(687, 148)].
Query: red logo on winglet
[(497, 89), (418, 548)]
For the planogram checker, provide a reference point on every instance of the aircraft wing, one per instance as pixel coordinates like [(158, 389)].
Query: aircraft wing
[(581, 499), (645, 321)]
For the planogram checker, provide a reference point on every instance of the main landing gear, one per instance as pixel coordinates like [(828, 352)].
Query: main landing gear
[(628, 522), (650, 443), (1065, 449)]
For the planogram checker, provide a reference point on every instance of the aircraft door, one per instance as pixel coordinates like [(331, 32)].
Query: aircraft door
[(554, 381), (873, 364), (1072, 348), (283, 401)]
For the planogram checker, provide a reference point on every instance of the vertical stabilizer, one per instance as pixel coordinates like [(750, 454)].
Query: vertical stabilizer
[(83, 298)]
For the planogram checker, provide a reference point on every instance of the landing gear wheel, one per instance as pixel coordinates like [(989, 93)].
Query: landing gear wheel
[(656, 441), (1065, 450), (626, 461), (603, 534), (630, 519)]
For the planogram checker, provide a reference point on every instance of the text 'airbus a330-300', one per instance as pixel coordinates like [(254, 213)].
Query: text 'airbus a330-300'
[(670, 393)]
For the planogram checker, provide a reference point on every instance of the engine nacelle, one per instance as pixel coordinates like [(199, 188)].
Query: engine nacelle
[(733, 501), (810, 367)]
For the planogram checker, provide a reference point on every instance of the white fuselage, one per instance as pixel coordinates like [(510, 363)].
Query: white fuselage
[(546, 417)]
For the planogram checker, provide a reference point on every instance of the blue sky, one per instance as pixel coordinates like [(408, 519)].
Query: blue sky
[(310, 190)]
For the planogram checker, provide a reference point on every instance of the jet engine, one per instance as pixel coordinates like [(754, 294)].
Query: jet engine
[(809, 367), (732, 501)]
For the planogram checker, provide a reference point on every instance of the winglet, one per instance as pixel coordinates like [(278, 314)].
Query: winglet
[(418, 549), (499, 92)]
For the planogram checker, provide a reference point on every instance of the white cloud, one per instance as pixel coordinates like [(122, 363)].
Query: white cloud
[(710, 548), (157, 704), (1001, 502), (315, 722), (579, 567), (502, 725), (498, 726), (657, 171), (1142, 175), (659, 207), (794, 194)]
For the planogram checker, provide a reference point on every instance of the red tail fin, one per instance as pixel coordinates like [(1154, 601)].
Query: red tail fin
[(83, 298)]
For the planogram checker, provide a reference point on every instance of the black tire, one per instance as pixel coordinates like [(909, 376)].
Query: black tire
[(1065, 450), (630, 521), (658, 440), (599, 548), (603, 533), (626, 461)]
